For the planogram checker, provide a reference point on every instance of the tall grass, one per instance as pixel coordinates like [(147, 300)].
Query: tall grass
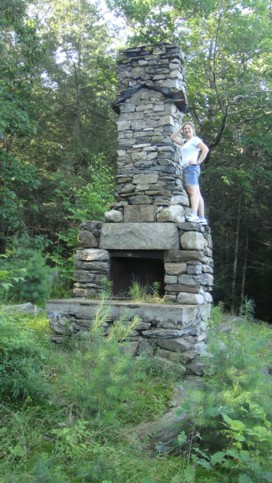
[(71, 413)]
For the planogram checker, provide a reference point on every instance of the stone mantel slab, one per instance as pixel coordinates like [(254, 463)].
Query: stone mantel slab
[(139, 236)]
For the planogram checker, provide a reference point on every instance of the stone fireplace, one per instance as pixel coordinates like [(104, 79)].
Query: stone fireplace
[(145, 237), (145, 267)]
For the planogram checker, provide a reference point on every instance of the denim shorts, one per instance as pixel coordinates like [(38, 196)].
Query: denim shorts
[(191, 174)]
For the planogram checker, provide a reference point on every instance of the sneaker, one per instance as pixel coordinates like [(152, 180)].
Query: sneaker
[(192, 218), (203, 221)]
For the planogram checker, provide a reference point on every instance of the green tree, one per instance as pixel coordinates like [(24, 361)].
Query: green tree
[(69, 114), (19, 52)]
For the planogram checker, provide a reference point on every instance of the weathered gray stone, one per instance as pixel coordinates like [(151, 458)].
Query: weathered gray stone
[(179, 287), (122, 125), (190, 298), (93, 226), (194, 268), (81, 292), (130, 347), (83, 276), (86, 323), (127, 188), (207, 269), (201, 337), (173, 213), (139, 236), (143, 187), (170, 298), (192, 331), (114, 216), (169, 279), (60, 323), (97, 267), (178, 344), (139, 213), (192, 241), (208, 298), (140, 200), (208, 252), (201, 348), (186, 279), (166, 120), (148, 313), (92, 255), (87, 239), (143, 325), (181, 255), (180, 200), (175, 268), (205, 279), (164, 333), (195, 367), (145, 179)]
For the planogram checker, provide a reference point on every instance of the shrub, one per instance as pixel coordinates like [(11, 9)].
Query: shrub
[(104, 370), (230, 413), (37, 276), (22, 361)]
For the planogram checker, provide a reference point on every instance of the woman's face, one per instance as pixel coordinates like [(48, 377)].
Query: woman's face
[(188, 131)]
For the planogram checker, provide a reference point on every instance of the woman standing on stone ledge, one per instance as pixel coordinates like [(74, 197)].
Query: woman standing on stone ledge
[(193, 153)]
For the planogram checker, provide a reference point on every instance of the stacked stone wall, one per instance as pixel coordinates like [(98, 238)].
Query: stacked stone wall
[(173, 332), (187, 248), (152, 98)]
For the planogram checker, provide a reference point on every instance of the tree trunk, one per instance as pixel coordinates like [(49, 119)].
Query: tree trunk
[(236, 255), (244, 266)]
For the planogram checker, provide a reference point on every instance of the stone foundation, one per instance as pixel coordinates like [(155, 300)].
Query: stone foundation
[(174, 331)]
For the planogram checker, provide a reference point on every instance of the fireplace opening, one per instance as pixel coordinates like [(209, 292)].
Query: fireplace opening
[(145, 267)]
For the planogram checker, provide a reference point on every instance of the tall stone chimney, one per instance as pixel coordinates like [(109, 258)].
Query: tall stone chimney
[(145, 236), (152, 101)]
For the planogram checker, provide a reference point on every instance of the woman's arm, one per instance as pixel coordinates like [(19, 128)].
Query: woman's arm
[(177, 137), (204, 151)]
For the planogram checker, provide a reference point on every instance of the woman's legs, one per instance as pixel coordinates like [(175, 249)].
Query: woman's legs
[(201, 206), (196, 200), (191, 174)]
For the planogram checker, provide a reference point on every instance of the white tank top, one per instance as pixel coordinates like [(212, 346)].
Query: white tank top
[(190, 151)]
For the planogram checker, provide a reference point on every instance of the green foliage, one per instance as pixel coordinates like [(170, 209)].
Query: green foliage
[(19, 183), (247, 309), (81, 419), (107, 288), (9, 277), (137, 292), (231, 412), (37, 279), (22, 374), (156, 20), (107, 369), (96, 196), (217, 315), (79, 429), (89, 202), (145, 293)]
